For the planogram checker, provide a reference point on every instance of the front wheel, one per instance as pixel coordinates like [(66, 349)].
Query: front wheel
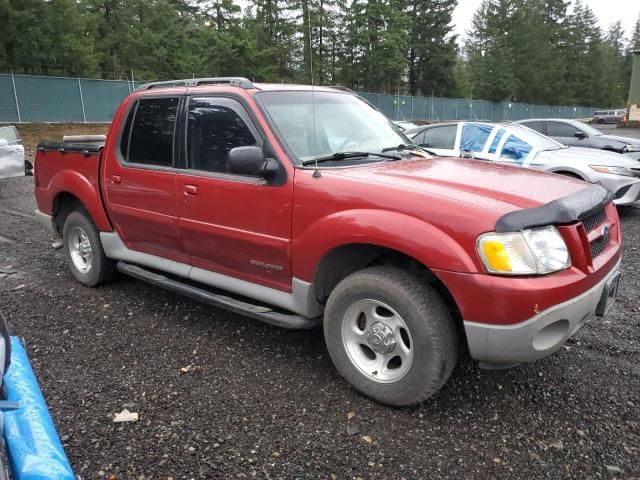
[(83, 249), (390, 335)]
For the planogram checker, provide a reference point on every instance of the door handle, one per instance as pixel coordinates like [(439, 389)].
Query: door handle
[(190, 189), (116, 179)]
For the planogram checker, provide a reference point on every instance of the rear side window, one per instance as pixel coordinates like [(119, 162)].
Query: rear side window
[(147, 137), (440, 137), (496, 140), (537, 126), (213, 130)]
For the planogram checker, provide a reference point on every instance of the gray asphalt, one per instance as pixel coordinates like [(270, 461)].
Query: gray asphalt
[(222, 396)]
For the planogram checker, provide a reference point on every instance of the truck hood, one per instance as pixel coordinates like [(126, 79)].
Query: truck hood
[(497, 188), (580, 156)]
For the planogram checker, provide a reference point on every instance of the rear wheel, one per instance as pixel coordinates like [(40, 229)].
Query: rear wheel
[(390, 335), (83, 249)]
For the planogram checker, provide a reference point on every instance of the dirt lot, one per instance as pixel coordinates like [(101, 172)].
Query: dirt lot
[(33, 133), (261, 402)]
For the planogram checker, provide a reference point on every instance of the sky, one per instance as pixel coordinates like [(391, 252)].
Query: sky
[(607, 11)]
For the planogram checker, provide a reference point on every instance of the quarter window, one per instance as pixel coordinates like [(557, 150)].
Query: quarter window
[(148, 133), (213, 130)]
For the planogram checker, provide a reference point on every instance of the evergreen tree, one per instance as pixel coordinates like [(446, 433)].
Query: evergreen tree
[(432, 50)]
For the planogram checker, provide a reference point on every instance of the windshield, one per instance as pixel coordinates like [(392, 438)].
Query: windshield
[(343, 123), (537, 140), (589, 130)]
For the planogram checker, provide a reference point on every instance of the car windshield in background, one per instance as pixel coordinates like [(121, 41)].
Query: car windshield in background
[(325, 123), (533, 138), (589, 130)]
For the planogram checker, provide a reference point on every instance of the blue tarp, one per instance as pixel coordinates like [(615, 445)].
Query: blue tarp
[(474, 136), (515, 149), (496, 141), (35, 451)]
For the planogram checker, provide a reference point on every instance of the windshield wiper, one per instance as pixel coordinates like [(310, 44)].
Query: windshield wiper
[(402, 146), (347, 155), (408, 146)]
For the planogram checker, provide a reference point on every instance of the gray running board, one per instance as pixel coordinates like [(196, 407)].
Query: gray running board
[(264, 314)]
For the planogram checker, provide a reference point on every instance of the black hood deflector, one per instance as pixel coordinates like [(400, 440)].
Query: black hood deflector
[(565, 210)]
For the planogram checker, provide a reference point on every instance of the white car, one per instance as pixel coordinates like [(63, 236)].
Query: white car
[(12, 161), (521, 146)]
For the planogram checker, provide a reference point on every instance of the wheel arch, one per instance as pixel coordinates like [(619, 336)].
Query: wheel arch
[(343, 260), (73, 190)]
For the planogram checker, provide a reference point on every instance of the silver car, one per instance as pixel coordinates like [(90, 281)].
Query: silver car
[(521, 146), (12, 162)]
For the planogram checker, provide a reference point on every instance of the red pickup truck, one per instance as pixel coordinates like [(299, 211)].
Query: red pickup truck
[(299, 206)]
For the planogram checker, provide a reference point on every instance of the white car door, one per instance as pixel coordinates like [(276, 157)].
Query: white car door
[(11, 153)]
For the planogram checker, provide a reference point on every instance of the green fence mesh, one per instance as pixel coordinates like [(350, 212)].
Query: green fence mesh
[(25, 98)]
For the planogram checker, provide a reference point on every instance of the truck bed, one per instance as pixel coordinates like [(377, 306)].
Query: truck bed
[(58, 164)]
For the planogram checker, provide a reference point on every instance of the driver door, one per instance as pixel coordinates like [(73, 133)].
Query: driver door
[(235, 225), (567, 134)]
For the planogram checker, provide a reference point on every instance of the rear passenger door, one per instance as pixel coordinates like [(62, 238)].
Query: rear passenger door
[(140, 178), (235, 225)]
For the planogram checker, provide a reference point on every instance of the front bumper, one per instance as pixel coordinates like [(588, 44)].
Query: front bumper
[(542, 334), (626, 190)]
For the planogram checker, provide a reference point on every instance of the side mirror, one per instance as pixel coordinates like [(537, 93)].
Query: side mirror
[(580, 135), (246, 161)]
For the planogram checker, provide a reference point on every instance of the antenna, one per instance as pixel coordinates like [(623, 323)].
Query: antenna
[(316, 173)]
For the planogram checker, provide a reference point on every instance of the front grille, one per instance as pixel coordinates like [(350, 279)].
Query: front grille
[(598, 246), (592, 221), (622, 192), (590, 224)]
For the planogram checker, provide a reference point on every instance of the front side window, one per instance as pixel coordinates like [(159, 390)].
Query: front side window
[(440, 137), (212, 130), (515, 148), (147, 136), (556, 129)]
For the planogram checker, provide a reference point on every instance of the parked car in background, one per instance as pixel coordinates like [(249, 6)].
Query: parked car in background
[(404, 125), (574, 133), (608, 116), (513, 144), (12, 160), (306, 206)]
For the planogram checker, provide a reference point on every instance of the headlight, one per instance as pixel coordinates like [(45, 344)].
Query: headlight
[(615, 170), (632, 148), (531, 252)]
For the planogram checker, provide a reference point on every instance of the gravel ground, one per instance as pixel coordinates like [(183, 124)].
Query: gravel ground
[(261, 402)]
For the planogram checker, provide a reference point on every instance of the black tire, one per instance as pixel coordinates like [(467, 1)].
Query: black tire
[(102, 269), (431, 327)]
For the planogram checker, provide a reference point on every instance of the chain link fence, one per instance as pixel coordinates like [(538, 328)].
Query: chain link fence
[(26, 98)]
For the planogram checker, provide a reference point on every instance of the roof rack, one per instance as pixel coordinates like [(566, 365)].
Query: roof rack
[(194, 82)]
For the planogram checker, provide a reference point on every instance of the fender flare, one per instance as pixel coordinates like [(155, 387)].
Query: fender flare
[(69, 181), (409, 235), (572, 170)]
